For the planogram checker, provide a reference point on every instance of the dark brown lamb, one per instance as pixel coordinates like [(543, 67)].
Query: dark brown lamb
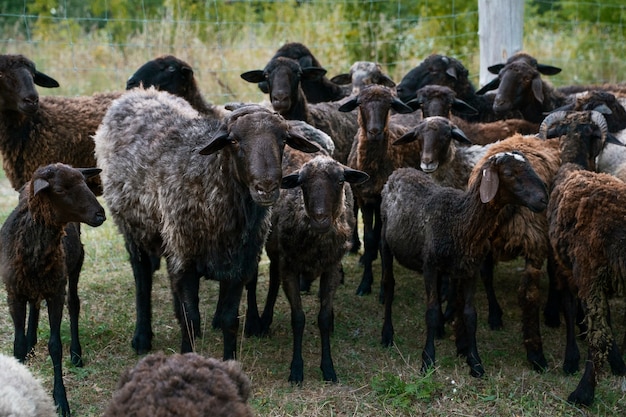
[(40, 253), (182, 385)]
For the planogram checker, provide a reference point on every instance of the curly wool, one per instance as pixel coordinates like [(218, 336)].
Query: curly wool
[(21, 394), (188, 385)]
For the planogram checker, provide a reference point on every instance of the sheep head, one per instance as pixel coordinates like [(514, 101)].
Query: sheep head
[(435, 69), (18, 78), (166, 73)]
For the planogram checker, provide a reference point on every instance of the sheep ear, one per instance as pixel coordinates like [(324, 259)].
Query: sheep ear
[(254, 76), (342, 79), (415, 104), (459, 135), (89, 172), (354, 176), (351, 104), (217, 142), (537, 87), (290, 181), (399, 106), (44, 80), (495, 69), (491, 85), (386, 81), (462, 107), (548, 69), (489, 184), (312, 73), (299, 142), (451, 71), (40, 184), (406, 138)]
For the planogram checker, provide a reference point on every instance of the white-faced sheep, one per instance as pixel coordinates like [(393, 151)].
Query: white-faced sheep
[(373, 153), (316, 89), (443, 233), (41, 254), (315, 206), (182, 385), (21, 394), (196, 191), (285, 77), (589, 257), (171, 74)]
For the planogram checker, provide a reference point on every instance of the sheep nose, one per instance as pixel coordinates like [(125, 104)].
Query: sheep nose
[(32, 100)]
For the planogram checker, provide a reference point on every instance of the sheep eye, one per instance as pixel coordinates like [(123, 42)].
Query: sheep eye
[(171, 68)]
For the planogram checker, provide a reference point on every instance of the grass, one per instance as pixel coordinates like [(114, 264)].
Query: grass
[(373, 381)]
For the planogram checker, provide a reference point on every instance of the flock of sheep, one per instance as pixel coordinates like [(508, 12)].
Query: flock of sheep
[(449, 181)]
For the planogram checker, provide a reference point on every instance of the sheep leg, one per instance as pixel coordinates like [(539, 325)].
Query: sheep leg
[(529, 301), (230, 294), (33, 324), (143, 267), (355, 244), (73, 304), (253, 326), (325, 320), (55, 349), (272, 293), (18, 314), (618, 367), (389, 283), (371, 238), (466, 327), (572, 354), (433, 310), (551, 312), (585, 390), (495, 311), (298, 320), (185, 287)]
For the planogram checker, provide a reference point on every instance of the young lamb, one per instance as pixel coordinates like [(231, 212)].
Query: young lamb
[(196, 191), (168, 73), (316, 89), (590, 260), (315, 206), (443, 233), (21, 394), (182, 385), (373, 153), (285, 77), (41, 253)]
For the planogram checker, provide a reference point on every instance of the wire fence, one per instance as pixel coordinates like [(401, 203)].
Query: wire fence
[(95, 45)]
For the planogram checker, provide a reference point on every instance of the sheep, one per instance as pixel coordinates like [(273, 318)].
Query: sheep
[(317, 89), (285, 77), (443, 233), (40, 252), (171, 74), (372, 153), (439, 100), (196, 191), (315, 206), (180, 385), (448, 71), (589, 259), (21, 394), (364, 73)]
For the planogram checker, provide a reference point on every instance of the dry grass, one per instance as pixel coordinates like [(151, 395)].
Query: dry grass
[(374, 381)]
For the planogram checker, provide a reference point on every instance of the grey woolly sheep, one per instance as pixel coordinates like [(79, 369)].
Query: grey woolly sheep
[(312, 224), (40, 253), (171, 74), (443, 232), (373, 153), (21, 394), (181, 385), (285, 77), (364, 73), (197, 192), (590, 263)]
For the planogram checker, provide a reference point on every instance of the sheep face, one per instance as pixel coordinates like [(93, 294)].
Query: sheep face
[(166, 73), (255, 140), (364, 73), (439, 100), (322, 181), (436, 69), (510, 176), (520, 85), (434, 135), (18, 77), (69, 198)]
